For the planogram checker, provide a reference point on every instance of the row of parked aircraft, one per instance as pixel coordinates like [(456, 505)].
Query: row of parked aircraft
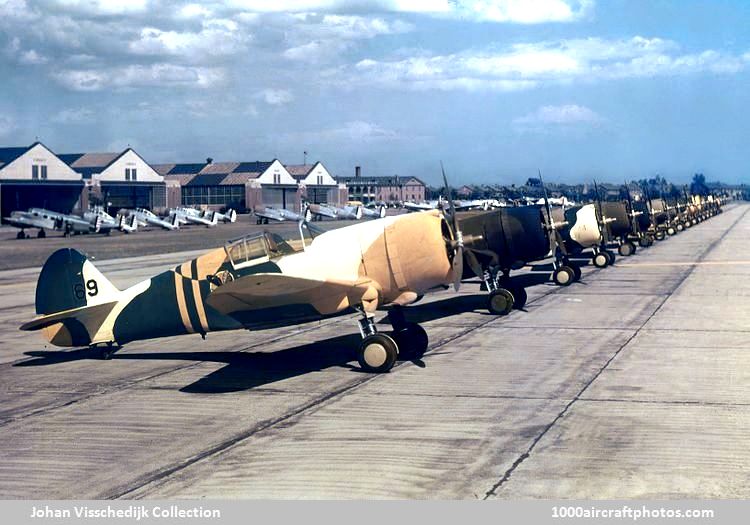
[(268, 279), (96, 220), (314, 212)]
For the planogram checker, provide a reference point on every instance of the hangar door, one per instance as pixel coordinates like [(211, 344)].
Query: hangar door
[(279, 197), (318, 194)]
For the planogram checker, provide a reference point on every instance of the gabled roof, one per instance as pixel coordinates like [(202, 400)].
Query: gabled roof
[(253, 167), (300, 171), (87, 164), (8, 155), (182, 179), (179, 169), (220, 167)]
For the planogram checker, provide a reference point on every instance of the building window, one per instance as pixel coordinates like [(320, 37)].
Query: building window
[(35, 172), (133, 174), (277, 178), (44, 172), (130, 174), (127, 173)]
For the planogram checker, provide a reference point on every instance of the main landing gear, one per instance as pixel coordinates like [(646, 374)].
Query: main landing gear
[(379, 352), (626, 249), (504, 295), (603, 258), (645, 241)]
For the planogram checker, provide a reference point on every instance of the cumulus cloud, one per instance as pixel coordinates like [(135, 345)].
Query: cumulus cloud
[(509, 11), (526, 66), (217, 37), (155, 75), (275, 97)]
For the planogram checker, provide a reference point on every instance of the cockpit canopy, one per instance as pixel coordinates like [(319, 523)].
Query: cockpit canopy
[(264, 246)]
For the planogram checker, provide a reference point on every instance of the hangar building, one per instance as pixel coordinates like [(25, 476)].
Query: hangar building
[(317, 185), (33, 176)]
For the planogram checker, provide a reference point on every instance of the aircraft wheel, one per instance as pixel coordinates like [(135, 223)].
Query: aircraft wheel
[(688, 224), (671, 231), (519, 297), (659, 236), (20, 235), (377, 353), (563, 276), (694, 222), (576, 271), (412, 341), (611, 256), (679, 227), (41, 234), (500, 302), (600, 260), (643, 242), (626, 249)]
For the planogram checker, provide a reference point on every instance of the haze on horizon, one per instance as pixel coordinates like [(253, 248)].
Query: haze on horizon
[(496, 89)]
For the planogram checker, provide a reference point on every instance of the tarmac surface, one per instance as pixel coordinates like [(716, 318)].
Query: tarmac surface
[(633, 383)]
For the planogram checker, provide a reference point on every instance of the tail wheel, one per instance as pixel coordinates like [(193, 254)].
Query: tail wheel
[(377, 353), (600, 260), (412, 341), (563, 276), (500, 302)]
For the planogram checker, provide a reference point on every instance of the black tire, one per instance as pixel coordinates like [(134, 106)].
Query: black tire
[(20, 235), (643, 242), (625, 249), (600, 260), (412, 341), (576, 271), (611, 256), (519, 297), (377, 353), (500, 302), (660, 236), (679, 227), (563, 276), (41, 234), (671, 231)]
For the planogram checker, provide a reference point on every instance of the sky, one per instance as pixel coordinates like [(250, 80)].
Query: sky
[(495, 89)]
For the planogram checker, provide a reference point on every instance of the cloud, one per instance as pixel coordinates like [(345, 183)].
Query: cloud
[(74, 116), (570, 114), (100, 7), (216, 37), (275, 97), (530, 65), (505, 11), (155, 75)]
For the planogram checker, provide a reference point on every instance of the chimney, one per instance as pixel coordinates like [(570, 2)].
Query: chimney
[(209, 160), (357, 171)]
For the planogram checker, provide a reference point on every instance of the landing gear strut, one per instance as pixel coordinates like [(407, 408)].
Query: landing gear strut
[(504, 295)]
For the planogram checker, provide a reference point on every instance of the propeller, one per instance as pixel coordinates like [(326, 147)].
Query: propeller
[(457, 243), (555, 239), (635, 226)]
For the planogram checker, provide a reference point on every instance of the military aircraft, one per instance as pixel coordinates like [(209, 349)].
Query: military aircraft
[(193, 216), (264, 215), (229, 216), (27, 220), (53, 220), (263, 280), (378, 212), (146, 217), (318, 211)]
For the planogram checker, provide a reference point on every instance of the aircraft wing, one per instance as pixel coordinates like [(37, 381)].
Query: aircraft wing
[(270, 290), (270, 215)]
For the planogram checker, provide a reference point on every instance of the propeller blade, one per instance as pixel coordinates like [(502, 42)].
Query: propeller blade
[(458, 267)]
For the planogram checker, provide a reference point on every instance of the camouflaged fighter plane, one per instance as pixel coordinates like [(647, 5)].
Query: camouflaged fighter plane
[(259, 281)]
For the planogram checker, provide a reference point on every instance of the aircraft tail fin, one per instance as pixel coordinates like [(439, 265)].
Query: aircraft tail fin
[(176, 221), (73, 299)]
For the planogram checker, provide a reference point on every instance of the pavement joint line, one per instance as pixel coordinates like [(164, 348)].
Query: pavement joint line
[(678, 402), (520, 459)]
